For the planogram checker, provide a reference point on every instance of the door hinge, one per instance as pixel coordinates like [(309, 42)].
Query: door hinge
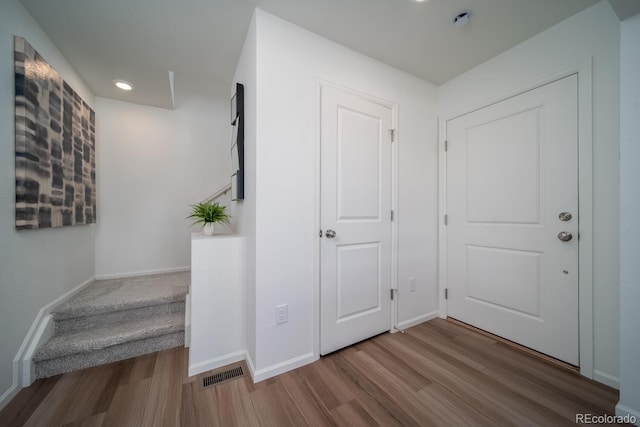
[(446, 146), (392, 215), (446, 219), (392, 293), (320, 234), (446, 293), (393, 134)]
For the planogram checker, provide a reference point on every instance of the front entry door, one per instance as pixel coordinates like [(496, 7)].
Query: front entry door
[(355, 248), (512, 206)]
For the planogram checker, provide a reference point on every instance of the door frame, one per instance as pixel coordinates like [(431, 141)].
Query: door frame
[(585, 200), (318, 84)]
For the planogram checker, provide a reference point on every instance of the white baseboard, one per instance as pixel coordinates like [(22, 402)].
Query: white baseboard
[(9, 394), (251, 365), (187, 336), (216, 362), (142, 273), (282, 367), (416, 320), (607, 379), (41, 329), (44, 331), (629, 413), (187, 321)]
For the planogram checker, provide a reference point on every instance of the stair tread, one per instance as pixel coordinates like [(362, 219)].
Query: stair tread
[(105, 296), (76, 361), (109, 335)]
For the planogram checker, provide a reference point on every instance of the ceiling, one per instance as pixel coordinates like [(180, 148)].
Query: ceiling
[(142, 40)]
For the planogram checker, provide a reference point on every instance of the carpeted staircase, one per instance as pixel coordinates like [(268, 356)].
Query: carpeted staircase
[(112, 320)]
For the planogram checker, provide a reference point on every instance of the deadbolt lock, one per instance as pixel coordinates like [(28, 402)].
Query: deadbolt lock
[(565, 216)]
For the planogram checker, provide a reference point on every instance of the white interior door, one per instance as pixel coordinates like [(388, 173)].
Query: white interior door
[(512, 189), (355, 249)]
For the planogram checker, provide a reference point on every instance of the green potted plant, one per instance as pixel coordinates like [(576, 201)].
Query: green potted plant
[(208, 214)]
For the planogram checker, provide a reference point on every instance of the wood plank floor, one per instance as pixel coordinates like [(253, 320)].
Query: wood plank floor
[(436, 373)]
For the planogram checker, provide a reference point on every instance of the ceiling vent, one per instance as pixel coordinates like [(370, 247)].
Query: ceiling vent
[(461, 19)]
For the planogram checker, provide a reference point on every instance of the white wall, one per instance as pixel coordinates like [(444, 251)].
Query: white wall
[(288, 60), (629, 214), (245, 211), (591, 33), (152, 164), (36, 266)]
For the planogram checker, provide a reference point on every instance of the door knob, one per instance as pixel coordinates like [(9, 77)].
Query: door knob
[(330, 234), (565, 236)]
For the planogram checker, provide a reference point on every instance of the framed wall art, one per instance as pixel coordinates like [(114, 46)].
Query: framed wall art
[(237, 144), (54, 147)]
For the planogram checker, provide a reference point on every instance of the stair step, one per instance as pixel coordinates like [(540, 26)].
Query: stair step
[(77, 324), (105, 296), (108, 336), (112, 320), (74, 362)]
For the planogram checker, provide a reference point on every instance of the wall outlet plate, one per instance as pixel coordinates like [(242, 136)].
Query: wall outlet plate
[(412, 284), (282, 314)]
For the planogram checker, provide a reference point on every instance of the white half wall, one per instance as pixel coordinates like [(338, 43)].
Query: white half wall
[(152, 164), (36, 266), (290, 61), (629, 214), (218, 317), (590, 34)]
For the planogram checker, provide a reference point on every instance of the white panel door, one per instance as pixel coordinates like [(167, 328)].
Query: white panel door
[(355, 249), (512, 178)]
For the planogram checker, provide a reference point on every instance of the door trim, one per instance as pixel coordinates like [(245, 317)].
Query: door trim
[(585, 200), (318, 84)]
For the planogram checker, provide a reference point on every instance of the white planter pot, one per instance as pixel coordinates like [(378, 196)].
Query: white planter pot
[(207, 229)]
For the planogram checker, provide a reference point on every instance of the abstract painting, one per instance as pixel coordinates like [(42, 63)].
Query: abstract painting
[(55, 146)]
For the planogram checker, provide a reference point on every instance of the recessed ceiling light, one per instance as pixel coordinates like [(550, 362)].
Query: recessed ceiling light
[(121, 84), (420, 1)]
